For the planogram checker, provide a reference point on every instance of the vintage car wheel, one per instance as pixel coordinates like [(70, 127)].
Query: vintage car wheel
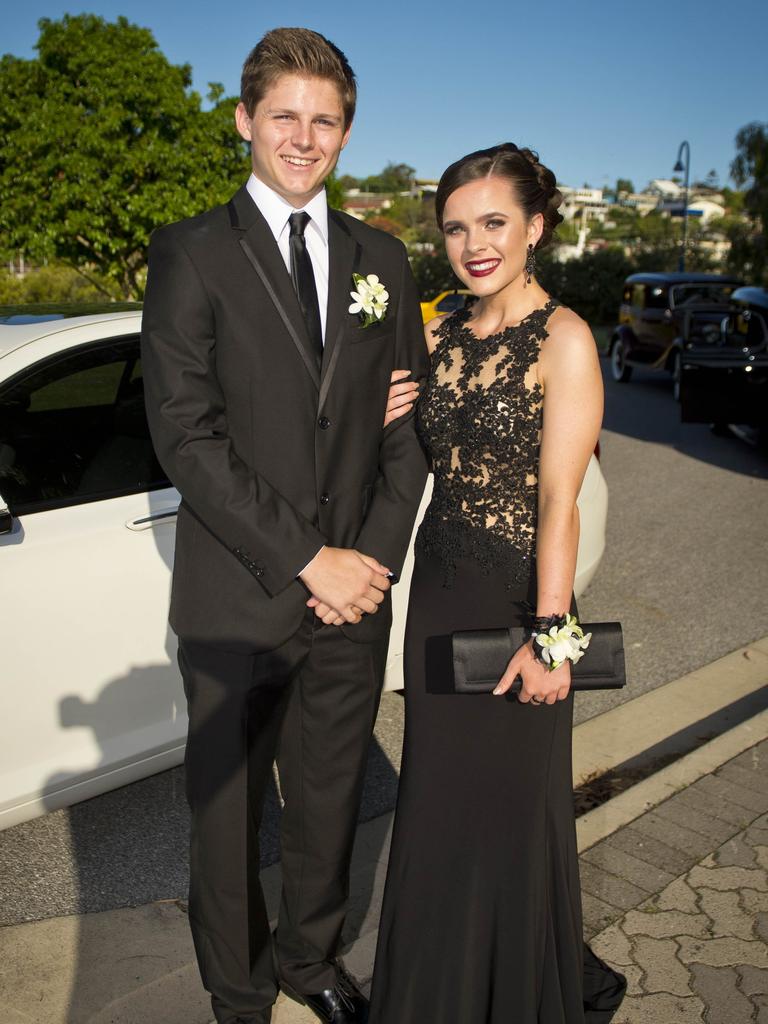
[(677, 369), (620, 371)]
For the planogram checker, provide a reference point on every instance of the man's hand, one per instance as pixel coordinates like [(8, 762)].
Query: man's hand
[(402, 395), (344, 584)]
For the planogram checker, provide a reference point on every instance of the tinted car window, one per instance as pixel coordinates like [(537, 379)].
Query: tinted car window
[(638, 295), (750, 328), (700, 294), (73, 429), (655, 297)]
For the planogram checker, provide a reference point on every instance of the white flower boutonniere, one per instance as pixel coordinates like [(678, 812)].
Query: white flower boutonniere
[(370, 299), (564, 641)]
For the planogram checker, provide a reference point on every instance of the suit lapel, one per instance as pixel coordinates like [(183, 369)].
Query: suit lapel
[(343, 259), (260, 249)]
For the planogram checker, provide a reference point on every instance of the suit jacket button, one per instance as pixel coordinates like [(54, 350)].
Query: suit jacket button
[(324, 498), (323, 423)]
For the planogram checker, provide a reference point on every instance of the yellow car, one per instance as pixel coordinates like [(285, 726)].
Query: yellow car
[(445, 302)]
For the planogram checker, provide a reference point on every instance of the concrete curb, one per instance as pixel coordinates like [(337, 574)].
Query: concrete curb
[(624, 808), (623, 732)]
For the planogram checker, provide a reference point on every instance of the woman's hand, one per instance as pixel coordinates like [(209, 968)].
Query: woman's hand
[(539, 684), (402, 395)]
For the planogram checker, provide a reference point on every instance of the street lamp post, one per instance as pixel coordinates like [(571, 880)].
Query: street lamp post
[(677, 169)]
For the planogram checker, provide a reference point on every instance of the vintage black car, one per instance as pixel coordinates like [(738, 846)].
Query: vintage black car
[(654, 315), (725, 371)]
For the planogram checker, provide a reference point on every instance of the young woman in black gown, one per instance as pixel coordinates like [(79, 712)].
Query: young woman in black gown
[(481, 920)]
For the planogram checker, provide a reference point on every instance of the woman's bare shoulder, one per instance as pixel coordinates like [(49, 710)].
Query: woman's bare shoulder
[(568, 335)]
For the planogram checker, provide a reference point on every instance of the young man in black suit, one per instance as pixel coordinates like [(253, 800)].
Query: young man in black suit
[(266, 399)]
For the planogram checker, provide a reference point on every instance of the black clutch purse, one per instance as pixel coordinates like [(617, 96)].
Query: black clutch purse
[(481, 656)]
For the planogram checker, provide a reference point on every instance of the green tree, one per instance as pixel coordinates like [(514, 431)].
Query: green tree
[(347, 182), (591, 285), (624, 185), (433, 273), (416, 218), (749, 169), (102, 141), (394, 178), (48, 284), (334, 191)]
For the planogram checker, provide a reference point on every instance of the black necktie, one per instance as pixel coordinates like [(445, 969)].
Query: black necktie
[(303, 279)]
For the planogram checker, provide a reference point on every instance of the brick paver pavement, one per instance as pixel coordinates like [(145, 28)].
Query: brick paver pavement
[(689, 927)]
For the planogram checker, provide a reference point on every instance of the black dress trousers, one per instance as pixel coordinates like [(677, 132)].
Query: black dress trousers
[(311, 704)]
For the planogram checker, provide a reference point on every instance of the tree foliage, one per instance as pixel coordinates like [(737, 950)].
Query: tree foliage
[(394, 178), (416, 219), (433, 273), (48, 284), (749, 241), (334, 191), (102, 141)]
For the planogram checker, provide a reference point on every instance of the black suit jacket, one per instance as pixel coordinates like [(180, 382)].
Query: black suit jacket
[(272, 456)]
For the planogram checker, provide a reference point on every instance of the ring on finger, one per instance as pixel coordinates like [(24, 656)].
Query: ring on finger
[(536, 701)]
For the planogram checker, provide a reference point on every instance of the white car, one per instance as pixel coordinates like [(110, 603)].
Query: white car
[(91, 696)]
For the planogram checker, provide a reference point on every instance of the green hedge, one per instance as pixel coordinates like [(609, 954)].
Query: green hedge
[(592, 284), (53, 283)]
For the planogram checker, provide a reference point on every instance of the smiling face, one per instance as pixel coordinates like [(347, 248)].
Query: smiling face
[(487, 234), (296, 133)]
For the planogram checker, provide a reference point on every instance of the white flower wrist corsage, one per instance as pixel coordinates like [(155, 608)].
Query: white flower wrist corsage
[(557, 639), (370, 299)]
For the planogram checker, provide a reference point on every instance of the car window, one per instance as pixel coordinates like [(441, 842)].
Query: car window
[(638, 295), (73, 429), (95, 385), (450, 303), (655, 297), (701, 294), (750, 327)]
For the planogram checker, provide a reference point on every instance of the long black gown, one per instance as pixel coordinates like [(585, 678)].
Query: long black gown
[(481, 921)]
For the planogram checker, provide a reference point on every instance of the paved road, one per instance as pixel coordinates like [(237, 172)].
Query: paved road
[(685, 570)]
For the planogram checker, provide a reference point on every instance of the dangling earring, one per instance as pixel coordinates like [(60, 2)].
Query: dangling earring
[(530, 263)]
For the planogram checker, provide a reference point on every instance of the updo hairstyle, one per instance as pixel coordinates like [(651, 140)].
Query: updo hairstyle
[(535, 186)]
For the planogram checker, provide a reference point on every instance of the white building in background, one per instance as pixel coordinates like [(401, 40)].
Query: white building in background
[(640, 201), (664, 189), (583, 203), (706, 209), (702, 208)]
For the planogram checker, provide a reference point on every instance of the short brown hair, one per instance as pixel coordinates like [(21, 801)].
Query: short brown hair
[(296, 51), (535, 186)]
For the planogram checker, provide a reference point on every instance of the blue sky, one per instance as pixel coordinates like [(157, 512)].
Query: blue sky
[(601, 90)]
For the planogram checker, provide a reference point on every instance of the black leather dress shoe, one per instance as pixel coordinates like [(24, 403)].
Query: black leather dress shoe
[(342, 1004)]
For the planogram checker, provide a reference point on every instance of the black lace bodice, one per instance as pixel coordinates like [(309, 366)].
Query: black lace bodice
[(480, 418)]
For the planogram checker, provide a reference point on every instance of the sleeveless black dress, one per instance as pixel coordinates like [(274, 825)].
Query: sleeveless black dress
[(481, 919)]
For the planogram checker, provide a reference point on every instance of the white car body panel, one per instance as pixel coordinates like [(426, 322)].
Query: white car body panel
[(88, 656), (91, 697)]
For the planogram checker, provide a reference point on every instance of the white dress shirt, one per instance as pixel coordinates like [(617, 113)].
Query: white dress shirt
[(276, 211)]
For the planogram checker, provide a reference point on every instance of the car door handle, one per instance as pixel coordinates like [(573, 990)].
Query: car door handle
[(164, 515)]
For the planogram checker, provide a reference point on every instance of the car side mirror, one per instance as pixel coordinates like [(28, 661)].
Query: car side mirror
[(6, 519)]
